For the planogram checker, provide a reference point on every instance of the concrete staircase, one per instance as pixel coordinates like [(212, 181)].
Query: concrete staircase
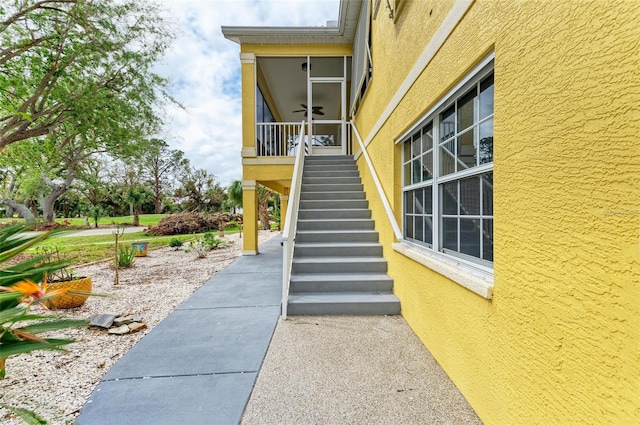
[(338, 266)]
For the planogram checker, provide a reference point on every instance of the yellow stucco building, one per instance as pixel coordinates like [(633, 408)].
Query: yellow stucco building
[(517, 263)]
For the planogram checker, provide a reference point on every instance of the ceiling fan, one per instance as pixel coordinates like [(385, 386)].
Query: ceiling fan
[(315, 110)]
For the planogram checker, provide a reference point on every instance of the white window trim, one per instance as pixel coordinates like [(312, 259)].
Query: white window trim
[(468, 276)]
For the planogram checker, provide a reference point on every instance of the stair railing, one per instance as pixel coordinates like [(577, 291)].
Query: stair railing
[(291, 220), (376, 181)]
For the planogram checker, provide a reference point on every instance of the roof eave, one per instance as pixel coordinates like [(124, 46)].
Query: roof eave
[(242, 34), (342, 34)]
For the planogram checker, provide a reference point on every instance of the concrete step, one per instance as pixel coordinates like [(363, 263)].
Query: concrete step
[(330, 180), (339, 265), (336, 161), (329, 167), (332, 282), (332, 303), (334, 213), (342, 249), (330, 196), (335, 204), (320, 236), (328, 157), (333, 173), (336, 224), (331, 187)]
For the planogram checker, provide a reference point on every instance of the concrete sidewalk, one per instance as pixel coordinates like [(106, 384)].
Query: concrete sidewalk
[(101, 231), (199, 365)]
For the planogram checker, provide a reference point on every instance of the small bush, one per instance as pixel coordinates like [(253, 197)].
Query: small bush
[(126, 257), (201, 246), (201, 250), (176, 243), (210, 240)]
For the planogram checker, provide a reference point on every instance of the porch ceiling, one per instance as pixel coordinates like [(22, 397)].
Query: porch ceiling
[(287, 87)]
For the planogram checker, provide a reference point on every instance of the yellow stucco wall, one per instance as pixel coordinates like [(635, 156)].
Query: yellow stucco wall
[(560, 341)]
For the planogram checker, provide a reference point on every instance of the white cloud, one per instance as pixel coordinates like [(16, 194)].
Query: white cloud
[(205, 70)]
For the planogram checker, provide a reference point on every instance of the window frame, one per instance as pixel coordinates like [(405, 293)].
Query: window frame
[(437, 182)]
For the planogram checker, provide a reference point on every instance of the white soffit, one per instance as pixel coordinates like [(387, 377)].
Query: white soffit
[(342, 34)]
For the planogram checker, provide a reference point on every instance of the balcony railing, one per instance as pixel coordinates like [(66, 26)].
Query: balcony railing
[(277, 138), (283, 138)]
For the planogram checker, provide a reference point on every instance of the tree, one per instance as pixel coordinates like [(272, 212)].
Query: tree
[(10, 190), (69, 66), (201, 191), (76, 79), (234, 192), (136, 196), (160, 163), (264, 197)]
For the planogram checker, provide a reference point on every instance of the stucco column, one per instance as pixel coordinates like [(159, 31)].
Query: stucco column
[(250, 217), (248, 72), (284, 203)]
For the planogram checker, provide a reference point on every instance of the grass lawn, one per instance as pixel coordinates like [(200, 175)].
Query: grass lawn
[(145, 220), (77, 250)]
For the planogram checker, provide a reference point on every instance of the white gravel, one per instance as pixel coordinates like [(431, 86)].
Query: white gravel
[(56, 384)]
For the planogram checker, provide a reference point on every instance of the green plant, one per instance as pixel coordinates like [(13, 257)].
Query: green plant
[(51, 255), (202, 245), (211, 241), (19, 329), (176, 243), (276, 217), (126, 256), (198, 246)]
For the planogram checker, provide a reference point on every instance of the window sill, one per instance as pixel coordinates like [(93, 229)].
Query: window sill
[(476, 281)]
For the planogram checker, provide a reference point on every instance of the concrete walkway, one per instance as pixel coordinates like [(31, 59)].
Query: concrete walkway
[(101, 231), (199, 365)]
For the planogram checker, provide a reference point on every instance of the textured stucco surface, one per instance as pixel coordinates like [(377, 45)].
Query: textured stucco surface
[(560, 341)]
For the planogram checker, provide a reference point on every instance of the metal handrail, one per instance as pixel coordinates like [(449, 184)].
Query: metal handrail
[(291, 221), (376, 181)]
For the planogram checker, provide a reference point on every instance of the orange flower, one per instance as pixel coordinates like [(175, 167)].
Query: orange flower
[(29, 289), (33, 290)]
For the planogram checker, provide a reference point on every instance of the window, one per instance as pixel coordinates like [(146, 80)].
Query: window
[(448, 174)]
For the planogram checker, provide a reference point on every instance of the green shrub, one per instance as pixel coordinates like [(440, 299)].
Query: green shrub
[(211, 241), (202, 245), (126, 257), (198, 247), (175, 243)]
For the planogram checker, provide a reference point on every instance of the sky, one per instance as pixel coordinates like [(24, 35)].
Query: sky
[(204, 70)]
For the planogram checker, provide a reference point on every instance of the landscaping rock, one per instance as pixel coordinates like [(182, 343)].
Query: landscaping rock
[(136, 326), (123, 320), (121, 330), (102, 320)]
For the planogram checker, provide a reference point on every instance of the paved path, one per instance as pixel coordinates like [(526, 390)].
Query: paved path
[(101, 231), (199, 365)]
